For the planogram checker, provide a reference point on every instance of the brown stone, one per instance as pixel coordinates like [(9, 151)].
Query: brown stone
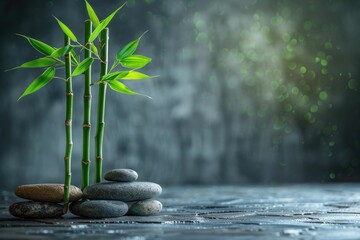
[(47, 192)]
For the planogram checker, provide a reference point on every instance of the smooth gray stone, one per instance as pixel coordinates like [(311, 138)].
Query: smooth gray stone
[(99, 208), (121, 175), (144, 208), (30, 209), (122, 191)]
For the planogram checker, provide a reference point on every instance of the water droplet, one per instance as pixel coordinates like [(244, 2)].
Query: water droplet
[(324, 62), (295, 90), (292, 66), (352, 84), (314, 108), (303, 70), (323, 95)]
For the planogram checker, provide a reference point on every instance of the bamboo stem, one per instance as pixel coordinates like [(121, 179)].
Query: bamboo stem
[(100, 124), (68, 126), (87, 112)]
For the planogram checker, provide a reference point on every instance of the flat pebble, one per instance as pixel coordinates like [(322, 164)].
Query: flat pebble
[(121, 175), (30, 209), (125, 191), (145, 208), (99, 208), (47, 192)]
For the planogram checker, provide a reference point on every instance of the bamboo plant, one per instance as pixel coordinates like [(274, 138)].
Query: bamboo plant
[(53, 60), (82, 67), (126, 58), (87, 111), (68, 125), (66, 57)]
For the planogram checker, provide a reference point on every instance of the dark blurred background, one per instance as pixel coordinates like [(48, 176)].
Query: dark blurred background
[(249, 92)]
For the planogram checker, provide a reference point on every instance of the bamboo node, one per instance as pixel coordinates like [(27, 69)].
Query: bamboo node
[(85, 162), (69, 94), (66, 158), (65, 186), (87, 96), (66, 56), (87, 125), (87, 43), (68, 122), (98, 157)]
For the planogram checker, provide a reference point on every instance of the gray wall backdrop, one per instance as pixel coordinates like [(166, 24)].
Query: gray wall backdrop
[(249, 92)]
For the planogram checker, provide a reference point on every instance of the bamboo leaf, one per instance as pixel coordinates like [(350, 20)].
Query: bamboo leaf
[(83, 66), (133, 75), (122, 88), (129, 48), (62, 51), (38, 45), (37, 63), (94, 49), (103, 25), (114, 76), (66, 30), (74, 57), (135, 61), (39, 82), (92, 15)]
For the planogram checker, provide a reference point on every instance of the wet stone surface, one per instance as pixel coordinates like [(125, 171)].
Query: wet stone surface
[(121, 175), (122, 191), (144, 208), (30, 209), (238, 212), (99, 208)]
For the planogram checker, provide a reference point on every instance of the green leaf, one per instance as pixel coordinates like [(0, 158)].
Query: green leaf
[(103, 25), (94, 49), (122, 88), (92, 15), (135, 61), (133, 75), (38, 45), (83, 66), (129, 48), (114, 76), (39, 82), (61, 51), (66, 30), (37, 63), (74, 57)]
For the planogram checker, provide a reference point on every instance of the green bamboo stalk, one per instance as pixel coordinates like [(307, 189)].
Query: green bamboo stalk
[(100, 124), (87, 111), (68, 126)]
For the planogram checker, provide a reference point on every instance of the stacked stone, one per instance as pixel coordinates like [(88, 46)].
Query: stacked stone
[(44, 200), (120, 195)]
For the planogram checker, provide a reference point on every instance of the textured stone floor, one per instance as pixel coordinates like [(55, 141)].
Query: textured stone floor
[(220, 212)]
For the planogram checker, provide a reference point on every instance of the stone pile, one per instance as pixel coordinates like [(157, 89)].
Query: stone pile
[(44, 200), (120, 195)]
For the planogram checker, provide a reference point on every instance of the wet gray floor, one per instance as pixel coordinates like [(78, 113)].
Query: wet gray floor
[(228, 212)]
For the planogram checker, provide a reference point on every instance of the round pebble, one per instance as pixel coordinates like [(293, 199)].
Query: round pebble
[(145, 208), (47, 192), (125, 191), (121, 175), (30, 209), (99, 208)]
